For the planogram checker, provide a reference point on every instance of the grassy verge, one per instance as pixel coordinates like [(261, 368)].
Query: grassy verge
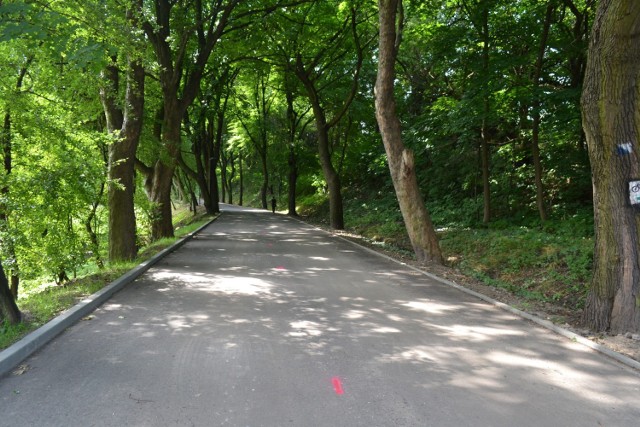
[(549, 264), (41, 302)]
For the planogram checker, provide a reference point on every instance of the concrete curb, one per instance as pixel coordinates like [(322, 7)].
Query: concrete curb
[(16, 353), (621, 358)]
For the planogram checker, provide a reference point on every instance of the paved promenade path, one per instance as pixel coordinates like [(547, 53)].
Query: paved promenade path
[(264, 321)]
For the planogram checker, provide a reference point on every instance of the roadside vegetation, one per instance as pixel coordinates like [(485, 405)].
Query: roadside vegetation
[(42, 299), (550, 263)]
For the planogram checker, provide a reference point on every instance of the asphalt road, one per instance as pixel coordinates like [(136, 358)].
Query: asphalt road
[(264, 321)]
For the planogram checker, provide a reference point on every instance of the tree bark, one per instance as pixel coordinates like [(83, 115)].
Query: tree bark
[(401, 162), (9, 311), (611, 122), (126, 126)]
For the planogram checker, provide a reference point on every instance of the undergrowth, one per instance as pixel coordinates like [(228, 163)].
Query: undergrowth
[(544, 263)]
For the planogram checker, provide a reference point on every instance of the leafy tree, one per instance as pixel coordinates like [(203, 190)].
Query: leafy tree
[(401, 160), (124, 119), (206, 133), (317, 43)]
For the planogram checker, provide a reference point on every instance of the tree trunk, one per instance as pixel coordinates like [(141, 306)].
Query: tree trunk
[(292, 123), (485, 154), (611, 122), (161, 221), (7, 151), (9, 311), (93, 237), (230, 176), (535, 128), (264, 188), (216, 147), (292, 182), (127, 128), (401, 162), (241, 173), (223, 177), (336, 211)]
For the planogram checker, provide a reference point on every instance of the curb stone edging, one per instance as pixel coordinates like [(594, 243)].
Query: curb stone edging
[(618, 357), (34, 341)]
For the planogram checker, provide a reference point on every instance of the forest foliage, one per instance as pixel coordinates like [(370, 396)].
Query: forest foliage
[(488, 94)]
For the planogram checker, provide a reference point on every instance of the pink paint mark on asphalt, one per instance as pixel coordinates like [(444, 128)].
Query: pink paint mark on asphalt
[(280, 267), (337, 385)]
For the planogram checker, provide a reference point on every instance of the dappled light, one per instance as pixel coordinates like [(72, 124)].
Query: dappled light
[(429, 306), (246, 307)]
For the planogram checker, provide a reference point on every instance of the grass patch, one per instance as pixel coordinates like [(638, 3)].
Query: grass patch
[(550, 263), (40, 302), (533, 263)]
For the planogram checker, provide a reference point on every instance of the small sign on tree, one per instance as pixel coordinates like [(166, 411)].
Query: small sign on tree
[(634, 193)]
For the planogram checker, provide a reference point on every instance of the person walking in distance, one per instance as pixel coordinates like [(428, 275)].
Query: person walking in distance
[(273, 203)]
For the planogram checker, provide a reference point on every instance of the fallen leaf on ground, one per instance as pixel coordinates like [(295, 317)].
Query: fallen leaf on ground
[(21, 369)]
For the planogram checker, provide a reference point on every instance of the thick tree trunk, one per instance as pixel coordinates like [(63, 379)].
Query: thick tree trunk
[(121, 164), (9, 311), (401, 163), (162, 218), (611, 122), (336, 210)]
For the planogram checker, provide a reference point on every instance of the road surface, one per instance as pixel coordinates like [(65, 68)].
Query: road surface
[(264, 321)]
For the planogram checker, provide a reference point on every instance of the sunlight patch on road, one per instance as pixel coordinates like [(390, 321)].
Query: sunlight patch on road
[(562, 375), (229, 285), (305, 328), (415, 354), (429, 306), (478, 333), (179, 322), (355, 314)]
